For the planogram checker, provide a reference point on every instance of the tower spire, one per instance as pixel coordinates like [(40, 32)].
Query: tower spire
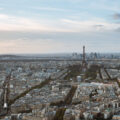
[(84, 63)]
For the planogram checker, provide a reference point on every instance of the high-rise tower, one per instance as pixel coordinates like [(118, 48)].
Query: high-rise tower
[(84, 63)]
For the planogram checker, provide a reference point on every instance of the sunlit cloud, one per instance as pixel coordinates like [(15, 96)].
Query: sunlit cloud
[(12, 23)]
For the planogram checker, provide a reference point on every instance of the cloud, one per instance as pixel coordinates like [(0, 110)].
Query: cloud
[(118, 29), (57, 42), (3, 16), (29, 46), (14, 23), (90, 25), (99, 26), (116, 16), (49, 9)]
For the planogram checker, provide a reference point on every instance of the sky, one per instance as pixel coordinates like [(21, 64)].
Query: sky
[(59, 26)]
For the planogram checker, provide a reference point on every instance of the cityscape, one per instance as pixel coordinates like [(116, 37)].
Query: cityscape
[(59, 59), (75, 87)]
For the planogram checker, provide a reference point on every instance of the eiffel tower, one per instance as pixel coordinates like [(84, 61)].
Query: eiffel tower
[(84, 63)]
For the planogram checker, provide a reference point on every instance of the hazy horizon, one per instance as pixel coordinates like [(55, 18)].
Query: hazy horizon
[(64, 26)]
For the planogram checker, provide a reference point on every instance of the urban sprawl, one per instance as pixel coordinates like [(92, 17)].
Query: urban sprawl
[(74, 87)]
